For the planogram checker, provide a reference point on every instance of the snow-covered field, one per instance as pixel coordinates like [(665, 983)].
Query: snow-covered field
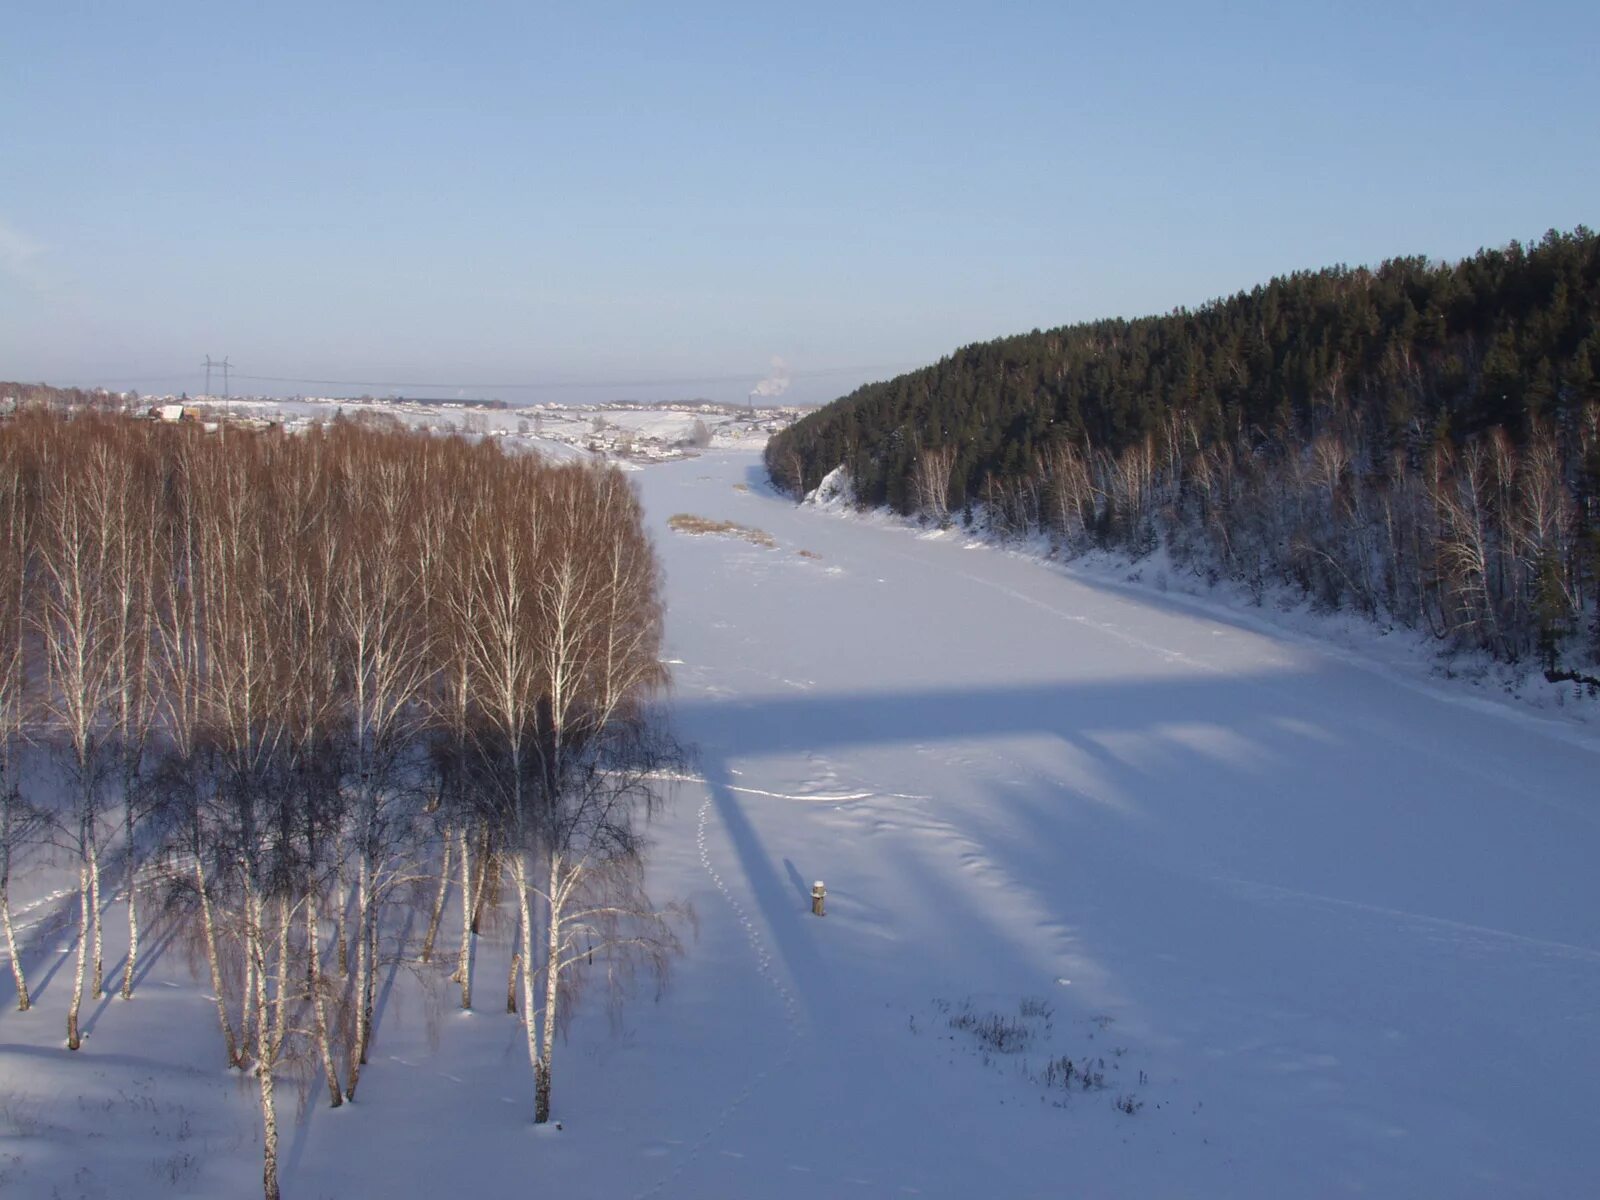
[(1305, 927)]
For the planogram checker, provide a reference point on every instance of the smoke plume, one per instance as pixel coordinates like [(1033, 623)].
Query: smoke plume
[(774, 384)]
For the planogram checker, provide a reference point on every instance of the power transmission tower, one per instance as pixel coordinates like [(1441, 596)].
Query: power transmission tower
[(224, 366)]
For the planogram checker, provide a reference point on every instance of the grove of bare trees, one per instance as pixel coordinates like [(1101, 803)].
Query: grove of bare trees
[(275, 687)]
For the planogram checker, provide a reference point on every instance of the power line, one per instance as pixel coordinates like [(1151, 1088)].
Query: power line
[(742, 377), (175, 375), (543, 384)]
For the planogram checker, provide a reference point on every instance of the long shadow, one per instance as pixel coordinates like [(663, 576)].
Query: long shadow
[(113, 978), (316, 1105), (788, 723), (781, 913), (53, 924), (32, 949), (1206, 773), (760, 483), (106, 1059), (381, 1005), (798, 881), (302, 1128), (149, 957), (810, 723)]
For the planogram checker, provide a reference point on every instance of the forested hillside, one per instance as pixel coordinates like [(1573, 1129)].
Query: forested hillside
[(1417, 440)]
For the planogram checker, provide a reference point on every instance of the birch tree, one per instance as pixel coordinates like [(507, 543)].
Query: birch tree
[(597, 749), (186, 776), (18, 820), (79, 518), (135, 554), (385, 652)]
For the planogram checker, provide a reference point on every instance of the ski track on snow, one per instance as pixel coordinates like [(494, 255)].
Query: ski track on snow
[(21, 928), (763, 959), (764, 968), (1454, 931)]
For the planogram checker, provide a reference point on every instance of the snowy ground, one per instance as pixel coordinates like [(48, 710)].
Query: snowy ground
[(1325, 930)]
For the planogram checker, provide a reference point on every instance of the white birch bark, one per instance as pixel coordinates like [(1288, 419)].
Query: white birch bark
[(208, 925), (463, 974), (529, 1009), (74, 1041), (133, 899), (552, 981), (438, 901), (265, 1047), (24, 1002), (342, 931), (319, 1012), (94, 909)]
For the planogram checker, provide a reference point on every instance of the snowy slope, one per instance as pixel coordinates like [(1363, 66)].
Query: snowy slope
[(1325, 933)]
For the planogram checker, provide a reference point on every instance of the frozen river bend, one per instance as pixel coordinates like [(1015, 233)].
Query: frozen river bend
[(1329, 933)]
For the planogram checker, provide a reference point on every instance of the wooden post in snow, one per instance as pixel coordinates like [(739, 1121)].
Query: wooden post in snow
[(819, 895)]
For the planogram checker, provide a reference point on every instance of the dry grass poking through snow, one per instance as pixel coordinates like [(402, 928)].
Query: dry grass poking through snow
[(689, 523)]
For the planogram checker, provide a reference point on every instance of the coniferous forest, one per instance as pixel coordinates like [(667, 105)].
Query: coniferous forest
[(1419, 441), (271, 688)]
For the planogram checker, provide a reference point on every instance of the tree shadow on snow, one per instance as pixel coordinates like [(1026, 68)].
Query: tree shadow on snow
[(1186, 766), (798, 881)]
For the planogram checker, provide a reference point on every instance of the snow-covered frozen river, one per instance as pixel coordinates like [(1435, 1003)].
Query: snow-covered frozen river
[(1345, 929), (1304, 928)]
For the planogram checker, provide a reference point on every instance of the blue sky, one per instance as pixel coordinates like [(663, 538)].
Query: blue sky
[(655, 200)]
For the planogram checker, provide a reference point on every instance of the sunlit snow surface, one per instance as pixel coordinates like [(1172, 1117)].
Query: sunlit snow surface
[(1329, 933)]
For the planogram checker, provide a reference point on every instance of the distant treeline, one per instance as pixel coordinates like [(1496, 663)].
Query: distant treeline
[(43, 395), (1417, 440)]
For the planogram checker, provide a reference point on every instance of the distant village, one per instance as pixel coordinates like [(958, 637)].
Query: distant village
[(623, 431)]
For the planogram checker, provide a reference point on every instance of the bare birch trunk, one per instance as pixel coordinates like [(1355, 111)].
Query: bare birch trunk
[(23, 1002), (133, 904), (340, 926), (552, 980), (358, 1044), (464, 966), (369, 999), (209, 926), (280, 1015), (364, 973), (256, 999), (516, 965), (248, 1031), (269, 1135), (481, 889), (74, 1041), (94, 908), (438, 902), (319, 1012), (520, 875)]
